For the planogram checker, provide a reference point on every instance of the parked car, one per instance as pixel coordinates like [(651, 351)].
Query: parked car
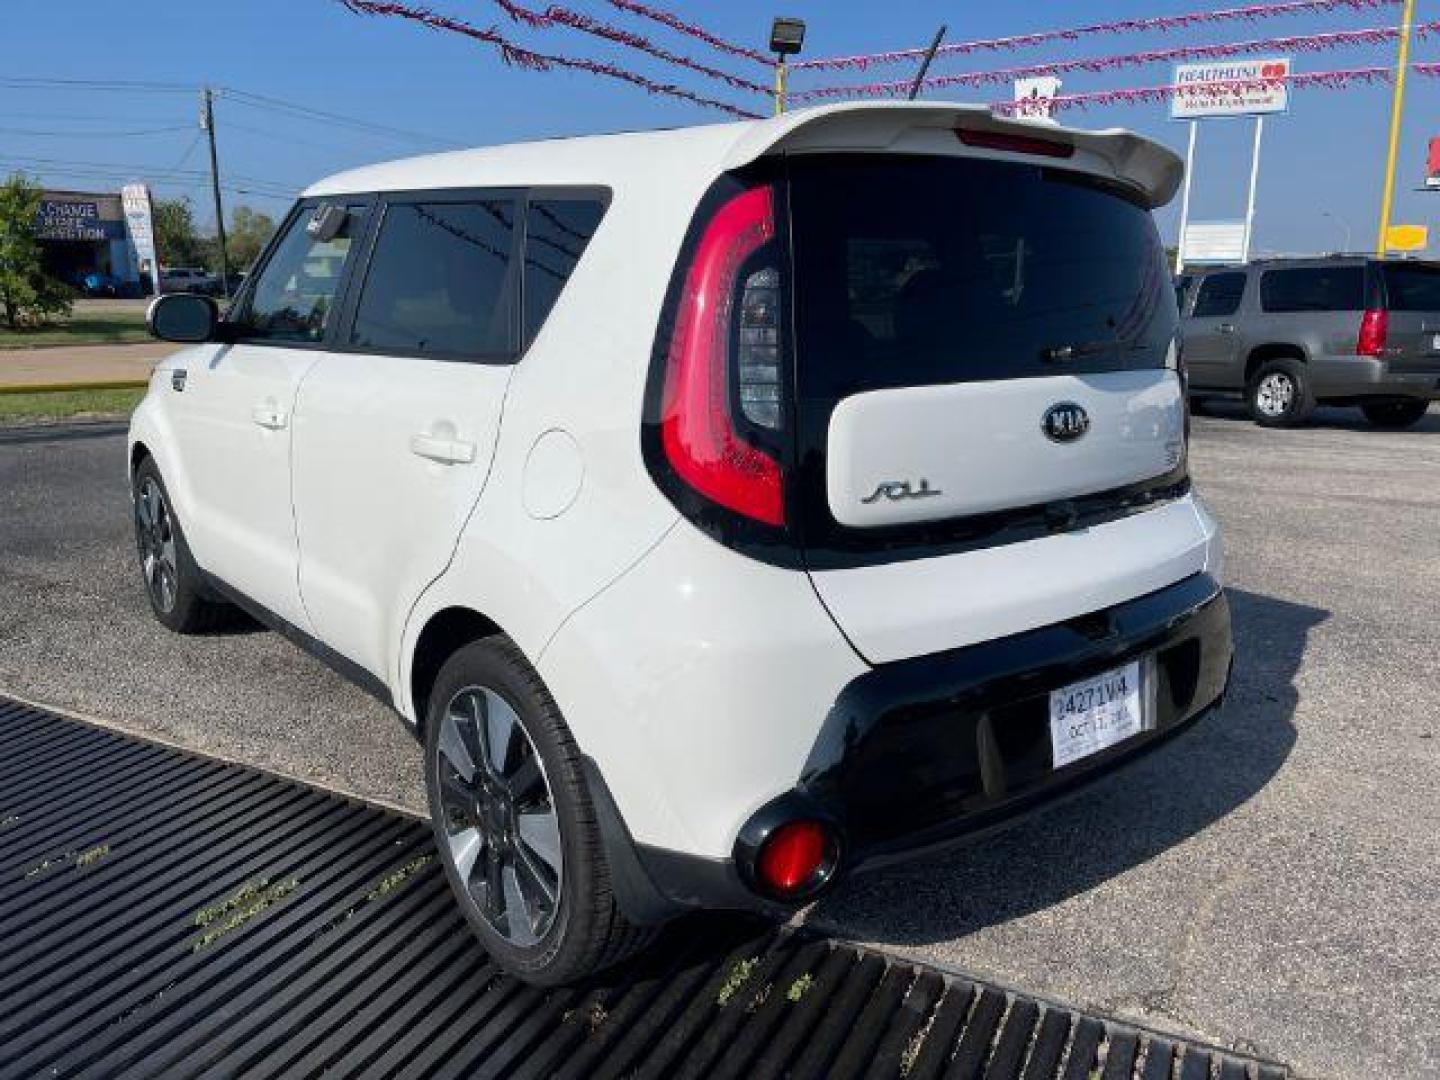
[(188, 279), (1290, 334), (96, 283), (724, 511)]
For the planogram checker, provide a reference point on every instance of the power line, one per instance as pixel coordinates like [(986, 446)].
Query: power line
[(94, 134), (305, 112), (36, 82)]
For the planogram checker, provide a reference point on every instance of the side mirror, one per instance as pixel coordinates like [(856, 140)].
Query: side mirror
[(183, 317)]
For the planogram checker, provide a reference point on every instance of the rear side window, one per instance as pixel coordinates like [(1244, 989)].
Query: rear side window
[(1313, 288), (923, 270), (1182, 288), (1412, 288), (443, 281), (557, 231), (1219, 296)]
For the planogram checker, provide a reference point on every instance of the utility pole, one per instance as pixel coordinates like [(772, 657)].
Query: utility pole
[(1397, 113), (207, 121)]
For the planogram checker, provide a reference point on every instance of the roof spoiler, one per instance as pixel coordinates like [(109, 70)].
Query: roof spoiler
[(1155, 171)]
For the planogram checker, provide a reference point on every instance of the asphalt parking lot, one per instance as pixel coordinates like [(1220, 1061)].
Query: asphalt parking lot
[(1266, 881)]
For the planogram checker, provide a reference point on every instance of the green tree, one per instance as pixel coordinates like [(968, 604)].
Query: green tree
[(249, 230), (176, 241), (28, 296)]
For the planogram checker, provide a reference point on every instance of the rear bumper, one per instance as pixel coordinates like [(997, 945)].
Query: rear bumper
[(920, 753), (1366, 377)]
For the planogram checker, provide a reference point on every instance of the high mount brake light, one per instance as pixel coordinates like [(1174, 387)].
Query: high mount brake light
[(1374, 333), (697, 427), (1012, 143)]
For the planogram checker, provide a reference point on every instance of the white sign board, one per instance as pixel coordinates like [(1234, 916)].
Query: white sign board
[(135, 198), (1214, 242), (1231, 88), (1036, 97)]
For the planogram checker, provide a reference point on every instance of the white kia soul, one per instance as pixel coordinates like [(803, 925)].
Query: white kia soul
[(725, 508)]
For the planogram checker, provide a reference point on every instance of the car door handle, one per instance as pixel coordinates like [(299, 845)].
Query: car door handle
[(1226, 328), (447, 451), (269, 416)]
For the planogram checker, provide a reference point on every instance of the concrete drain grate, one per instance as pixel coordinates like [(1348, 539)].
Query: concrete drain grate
[(166, 914)]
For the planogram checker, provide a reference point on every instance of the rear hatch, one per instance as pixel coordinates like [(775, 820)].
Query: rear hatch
[(984, 357), (1412, 303)]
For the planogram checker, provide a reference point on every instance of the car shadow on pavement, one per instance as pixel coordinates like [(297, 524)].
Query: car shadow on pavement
[(1116, 824), (1326, 416)]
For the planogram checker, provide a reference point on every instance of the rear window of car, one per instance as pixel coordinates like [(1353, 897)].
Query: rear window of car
[(924, 270), (1411, 288), (1313, 288)]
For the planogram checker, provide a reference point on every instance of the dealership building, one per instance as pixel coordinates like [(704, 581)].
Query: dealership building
[(82, 233)]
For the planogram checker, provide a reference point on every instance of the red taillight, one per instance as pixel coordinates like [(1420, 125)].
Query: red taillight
[(794, 857), (1374, 330), (1013, 143), (697, 428)]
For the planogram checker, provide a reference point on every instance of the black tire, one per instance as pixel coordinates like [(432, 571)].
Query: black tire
[(586, 931), (176, 590), (1395, 415), (1279, 394)]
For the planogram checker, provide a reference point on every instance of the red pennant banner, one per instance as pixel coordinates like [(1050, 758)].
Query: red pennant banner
[(1326, 80), (1250, 13), (1307, 43), (559, 16), (691, 30), (519, 56)]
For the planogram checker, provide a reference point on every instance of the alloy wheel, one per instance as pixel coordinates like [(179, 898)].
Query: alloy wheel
[(155, 537), (1274, 395), (501, 829)]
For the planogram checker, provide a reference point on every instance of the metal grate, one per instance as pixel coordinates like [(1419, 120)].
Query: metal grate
[(163, 913)]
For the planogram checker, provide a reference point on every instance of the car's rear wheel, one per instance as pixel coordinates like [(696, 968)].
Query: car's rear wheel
[(1395, 415), (173, 582), (514, 822), (1279, 394)]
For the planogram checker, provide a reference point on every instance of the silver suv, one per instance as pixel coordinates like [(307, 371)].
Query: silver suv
[(1340, 330)]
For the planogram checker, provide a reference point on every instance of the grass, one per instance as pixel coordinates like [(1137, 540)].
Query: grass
[(109, 328), (68, 404)]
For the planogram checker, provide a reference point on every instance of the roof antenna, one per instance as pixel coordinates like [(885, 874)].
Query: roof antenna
[(925, 64)]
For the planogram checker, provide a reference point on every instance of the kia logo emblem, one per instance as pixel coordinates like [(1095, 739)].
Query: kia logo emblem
[(1065, 422)]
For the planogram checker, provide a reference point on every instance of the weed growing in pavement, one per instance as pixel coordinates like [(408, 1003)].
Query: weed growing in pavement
[(800, 987), (251, 901), (398, 877), (738, 977), (91, 856)]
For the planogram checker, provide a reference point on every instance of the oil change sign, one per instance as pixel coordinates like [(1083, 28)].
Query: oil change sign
[(1231, 88)]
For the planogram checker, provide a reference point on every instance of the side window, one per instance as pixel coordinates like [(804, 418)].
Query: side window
[(442, 281), (1219, 296), (295, 292), (557, 231), (1316, 288)]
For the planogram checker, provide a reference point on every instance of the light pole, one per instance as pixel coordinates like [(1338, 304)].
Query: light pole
[(1397, 113), (1343, 224), (787, 36)]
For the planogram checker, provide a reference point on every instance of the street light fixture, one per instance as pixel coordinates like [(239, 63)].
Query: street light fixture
[(1343, 224), (787, 38)]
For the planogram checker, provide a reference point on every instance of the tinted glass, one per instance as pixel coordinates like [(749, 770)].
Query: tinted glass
[(1219, 296), (1412, 288), (441, 281), (1182, 286), (1313, 288), (295, 292), (557, 232), (923, 270)]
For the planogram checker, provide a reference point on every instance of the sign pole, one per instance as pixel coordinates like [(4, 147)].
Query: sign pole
[(1250, 201), (1397, 112), (1185, 200)]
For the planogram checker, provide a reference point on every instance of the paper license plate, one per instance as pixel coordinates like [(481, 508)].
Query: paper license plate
[(1087, 717)]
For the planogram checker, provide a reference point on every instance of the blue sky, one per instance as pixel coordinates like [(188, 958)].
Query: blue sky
[(1325, 157)]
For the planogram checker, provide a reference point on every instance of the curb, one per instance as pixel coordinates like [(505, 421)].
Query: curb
[(70, 387)]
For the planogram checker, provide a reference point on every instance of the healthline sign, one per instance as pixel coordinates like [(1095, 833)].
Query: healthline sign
[(1235, 88)]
